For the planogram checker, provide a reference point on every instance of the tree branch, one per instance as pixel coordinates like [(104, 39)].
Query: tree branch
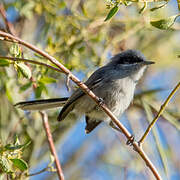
[(159, 113), (135, 145), (51, 144), (9, 26), (30, 61)]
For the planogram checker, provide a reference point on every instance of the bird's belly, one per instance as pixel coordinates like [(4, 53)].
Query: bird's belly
[(116, 96)]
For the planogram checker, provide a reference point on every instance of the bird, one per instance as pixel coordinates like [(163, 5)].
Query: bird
[(114, 83)]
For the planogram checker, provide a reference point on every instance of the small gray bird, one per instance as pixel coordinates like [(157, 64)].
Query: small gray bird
[(114, 83)]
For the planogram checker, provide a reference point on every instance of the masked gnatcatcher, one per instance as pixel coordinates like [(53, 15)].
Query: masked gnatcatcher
[(114, 83)]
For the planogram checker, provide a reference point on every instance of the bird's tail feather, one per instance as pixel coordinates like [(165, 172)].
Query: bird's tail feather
[(42, 104)]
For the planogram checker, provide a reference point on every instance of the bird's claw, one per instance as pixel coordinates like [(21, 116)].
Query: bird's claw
[(101, 101)]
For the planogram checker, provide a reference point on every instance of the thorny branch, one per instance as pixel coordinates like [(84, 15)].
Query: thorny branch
[(135, 144)]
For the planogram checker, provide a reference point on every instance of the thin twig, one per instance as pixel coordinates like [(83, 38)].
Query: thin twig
[(123, 129), (39, 172), (30, 61), (51, 144), (9, 26), (159, 113)]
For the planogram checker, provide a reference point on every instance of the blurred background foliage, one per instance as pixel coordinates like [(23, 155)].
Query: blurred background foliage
[(76, 34)]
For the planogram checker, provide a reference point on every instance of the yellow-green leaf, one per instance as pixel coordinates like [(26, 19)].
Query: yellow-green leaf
[(4, 165), (24, 69), (4, 62), (164, 24), (47, 80), (20, 164)]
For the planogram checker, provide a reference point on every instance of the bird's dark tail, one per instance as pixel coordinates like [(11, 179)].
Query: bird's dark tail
[(42, 104)]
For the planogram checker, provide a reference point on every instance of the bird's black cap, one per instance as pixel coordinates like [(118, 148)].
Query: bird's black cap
[(131, 56)]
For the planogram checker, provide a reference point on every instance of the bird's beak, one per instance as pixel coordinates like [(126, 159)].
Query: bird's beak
[(148, 62)]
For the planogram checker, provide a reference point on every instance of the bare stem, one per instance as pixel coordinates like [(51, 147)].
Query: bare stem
[(39, 172), (159, 113), (135, 145), (51, 144), (9, 26)]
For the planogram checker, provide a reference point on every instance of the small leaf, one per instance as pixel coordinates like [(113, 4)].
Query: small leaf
[(47, 80), (158, 7), (112, 12), (4, 165), (39, 89), (12, 147), (164, 23), (16, 147), (20, 164), (24, 69), (15, 50), (26, 86), (143, 8), (4, 62)]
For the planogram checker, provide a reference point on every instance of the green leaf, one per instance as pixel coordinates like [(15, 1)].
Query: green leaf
[(24, 69), (12, 147), (4, 165), (15, 50), (26, 86), (47, 80), (158, 7), (16, 140), (112, 12), (164, 23), (20, 164), (4, 62), (143, 8), (39, 89)]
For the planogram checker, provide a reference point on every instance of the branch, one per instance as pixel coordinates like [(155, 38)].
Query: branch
[(9, 26), (30, 61), (51, 144), (159, 113), (136, 147)]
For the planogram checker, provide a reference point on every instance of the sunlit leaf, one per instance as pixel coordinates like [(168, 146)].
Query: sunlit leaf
[(4, 165), (26, 86), (111, 13), (39, 89), (16, 147), (143, 8), (15, 50), (20, 164), (164, 24), (25, 70), (47, 80), (4, 62)]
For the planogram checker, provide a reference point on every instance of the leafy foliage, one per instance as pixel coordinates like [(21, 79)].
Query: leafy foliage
[(74, 32), (11, 161)]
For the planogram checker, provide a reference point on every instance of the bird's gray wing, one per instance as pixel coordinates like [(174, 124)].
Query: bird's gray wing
[(94, 81)]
